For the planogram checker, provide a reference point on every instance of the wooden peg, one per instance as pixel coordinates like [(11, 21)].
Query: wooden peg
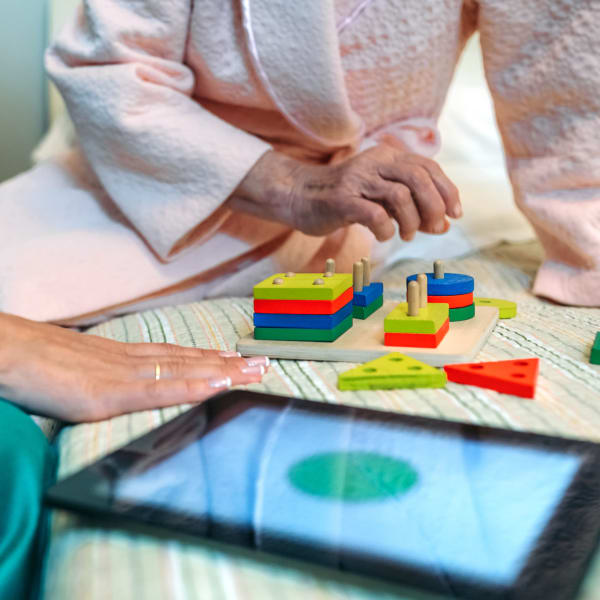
[(366, 271), (318, 281), (412, 296), (277, 281), (422, 281), (357, 277), (330, 266), (290, 274), (438, 269)]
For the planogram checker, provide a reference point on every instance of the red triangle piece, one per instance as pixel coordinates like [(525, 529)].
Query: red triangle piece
[(517, 377)]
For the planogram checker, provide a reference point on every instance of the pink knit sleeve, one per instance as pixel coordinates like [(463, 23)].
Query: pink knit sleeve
[(168, 163), (542, 62)]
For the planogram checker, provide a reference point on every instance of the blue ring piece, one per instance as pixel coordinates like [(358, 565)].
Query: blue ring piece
[(453, 284), (369, 294), (292, 321)]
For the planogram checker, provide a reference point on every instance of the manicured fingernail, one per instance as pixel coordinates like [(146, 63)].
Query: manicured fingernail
[(256, 370), (229, 353), (223, 382), (253, 361)]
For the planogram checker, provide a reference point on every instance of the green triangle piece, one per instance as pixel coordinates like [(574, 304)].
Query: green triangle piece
[(392, 371)]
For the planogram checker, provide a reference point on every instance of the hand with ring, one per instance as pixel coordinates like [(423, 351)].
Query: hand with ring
[(61, 373)]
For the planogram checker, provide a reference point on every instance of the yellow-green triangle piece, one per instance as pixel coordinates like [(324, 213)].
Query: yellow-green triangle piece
[(392, 371), (506, 308)]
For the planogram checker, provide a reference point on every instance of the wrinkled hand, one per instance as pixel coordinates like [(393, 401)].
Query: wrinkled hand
[(77, 377), (374, 188)]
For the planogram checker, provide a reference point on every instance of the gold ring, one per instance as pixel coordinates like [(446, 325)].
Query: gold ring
[(157, 372)]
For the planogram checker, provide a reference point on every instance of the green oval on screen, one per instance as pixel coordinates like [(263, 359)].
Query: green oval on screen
[(353, 476)]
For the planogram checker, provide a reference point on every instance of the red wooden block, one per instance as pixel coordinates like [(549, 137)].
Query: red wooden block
[(417, 340), (517, 377), (458, 301), (304, 307)]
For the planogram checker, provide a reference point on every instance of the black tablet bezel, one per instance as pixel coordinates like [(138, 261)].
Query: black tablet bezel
[(553, 570)]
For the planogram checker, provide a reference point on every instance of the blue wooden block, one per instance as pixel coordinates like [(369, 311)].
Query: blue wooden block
[(303, 321), (369, 294), (451, 285)]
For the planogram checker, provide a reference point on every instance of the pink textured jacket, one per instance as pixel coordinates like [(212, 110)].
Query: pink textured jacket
[(175, 100)]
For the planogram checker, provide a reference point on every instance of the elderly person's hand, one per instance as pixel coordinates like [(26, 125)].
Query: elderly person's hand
[(75, 377), (374, 188)]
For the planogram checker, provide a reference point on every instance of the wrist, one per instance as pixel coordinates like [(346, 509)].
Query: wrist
[(7, 339), (267, 189)]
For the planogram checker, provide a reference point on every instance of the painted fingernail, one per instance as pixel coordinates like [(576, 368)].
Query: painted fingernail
[(229, 353), (256, 370), (223, 382), (254, 361)]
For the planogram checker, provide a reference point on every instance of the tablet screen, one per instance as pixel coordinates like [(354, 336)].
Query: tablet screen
[(400, 494)]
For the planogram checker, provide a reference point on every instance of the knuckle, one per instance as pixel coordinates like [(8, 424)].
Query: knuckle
[(402, 196), (430, 164), (419, 176), (378, 217)]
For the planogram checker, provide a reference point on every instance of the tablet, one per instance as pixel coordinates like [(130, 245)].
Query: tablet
[(468, 511)]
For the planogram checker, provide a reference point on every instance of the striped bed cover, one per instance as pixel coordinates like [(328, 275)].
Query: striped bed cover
[(89, 562)]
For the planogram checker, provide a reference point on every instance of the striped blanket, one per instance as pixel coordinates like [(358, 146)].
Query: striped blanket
[(89, 561)]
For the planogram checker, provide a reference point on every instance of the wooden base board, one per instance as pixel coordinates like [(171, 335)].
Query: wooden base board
[(364, 341)]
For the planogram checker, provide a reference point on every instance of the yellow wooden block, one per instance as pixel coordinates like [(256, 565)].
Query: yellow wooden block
[(429, 319), (302, 286)]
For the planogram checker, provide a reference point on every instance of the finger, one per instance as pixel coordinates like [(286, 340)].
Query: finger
[(398, 202), (444, 185), (152, 349), (373, 216), (122, 397), (427, 198), (165, 349), (240, 372)]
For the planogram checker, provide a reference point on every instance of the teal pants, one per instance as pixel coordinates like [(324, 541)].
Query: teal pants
[(27, 466)]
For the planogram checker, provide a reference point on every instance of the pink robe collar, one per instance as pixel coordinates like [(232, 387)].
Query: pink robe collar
[(294, 44), (290, 43)]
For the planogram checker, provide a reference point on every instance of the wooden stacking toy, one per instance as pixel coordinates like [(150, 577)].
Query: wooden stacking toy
[(453, 289), (417, 323), (368, 297), (303, 306)]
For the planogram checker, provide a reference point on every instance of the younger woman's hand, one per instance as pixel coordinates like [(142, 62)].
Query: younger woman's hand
[(374, 188), (72, 376)]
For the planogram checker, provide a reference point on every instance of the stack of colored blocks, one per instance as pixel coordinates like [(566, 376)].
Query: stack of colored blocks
[(368, 297), (453, 289), (416, 323), (313, 307)]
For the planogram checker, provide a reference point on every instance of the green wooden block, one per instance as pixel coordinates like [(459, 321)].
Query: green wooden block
[(429, 319), (300, 286), (462, 314), (595, 353), (506, 308), (303, 335), (392, 371), (364, 312)]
